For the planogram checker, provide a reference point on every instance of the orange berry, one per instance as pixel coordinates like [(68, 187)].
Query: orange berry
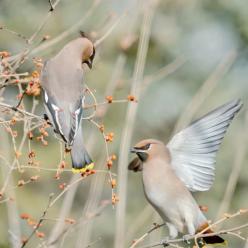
[(62, 186), (24, 216), (20, 183), (109, 137), (101, 127), (40, 234), (113, 183), (30, 135), (92, 172), (4, 54), (109, 164), (109, 99), (35, 74), (39, 138), (70, 221), (131, 98), (13, 121), (46, 37), (115, 199), (31, 154), (44, 142), (62, 165), (113, 157), (34, 178)]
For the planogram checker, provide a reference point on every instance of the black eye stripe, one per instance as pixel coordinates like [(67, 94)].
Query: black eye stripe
[(145, 147)]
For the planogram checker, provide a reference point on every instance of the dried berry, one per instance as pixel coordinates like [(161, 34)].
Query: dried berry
[(109, 99), (24, 216)]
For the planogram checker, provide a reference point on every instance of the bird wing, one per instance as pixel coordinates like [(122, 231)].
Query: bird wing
[(66, 122), (193, 150), (63, 101)]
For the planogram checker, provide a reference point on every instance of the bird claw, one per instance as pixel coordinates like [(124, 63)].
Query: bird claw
[(164, 242), (46, 118), (186, 238)]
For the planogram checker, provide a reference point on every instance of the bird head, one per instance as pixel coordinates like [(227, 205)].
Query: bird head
[(146, 149), (88, 51)]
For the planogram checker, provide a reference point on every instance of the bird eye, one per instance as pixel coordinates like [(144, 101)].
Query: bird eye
[(145, 147)]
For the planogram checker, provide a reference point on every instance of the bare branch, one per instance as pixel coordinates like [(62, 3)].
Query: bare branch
[(129, 124), (202, 234), (39, 222)]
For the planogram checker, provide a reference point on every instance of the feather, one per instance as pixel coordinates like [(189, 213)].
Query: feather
[(194, 149)]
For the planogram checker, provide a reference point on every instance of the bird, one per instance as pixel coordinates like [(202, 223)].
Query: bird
[(62, 79), (186, 164)]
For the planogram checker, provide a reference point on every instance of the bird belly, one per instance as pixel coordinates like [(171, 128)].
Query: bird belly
[(166, 204), (172, 200)]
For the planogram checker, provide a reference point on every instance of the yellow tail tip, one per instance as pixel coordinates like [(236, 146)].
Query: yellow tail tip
[(84, 169)]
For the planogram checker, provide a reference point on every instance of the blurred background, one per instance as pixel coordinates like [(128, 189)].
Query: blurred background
[(196, 60)]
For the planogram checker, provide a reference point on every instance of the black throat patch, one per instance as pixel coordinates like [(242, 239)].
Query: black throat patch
[(143, 156)]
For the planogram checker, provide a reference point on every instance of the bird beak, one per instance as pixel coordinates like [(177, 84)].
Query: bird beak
[(89, 63), (142, 154), (135, 150)]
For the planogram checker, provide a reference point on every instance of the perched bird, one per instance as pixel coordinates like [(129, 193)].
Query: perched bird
[(63, 89), (185, 164)]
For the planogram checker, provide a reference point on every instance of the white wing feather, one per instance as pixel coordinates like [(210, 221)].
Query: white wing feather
[(194, 149)]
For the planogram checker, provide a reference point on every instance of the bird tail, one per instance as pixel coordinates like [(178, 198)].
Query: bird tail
[(81, 160), (214, 240)]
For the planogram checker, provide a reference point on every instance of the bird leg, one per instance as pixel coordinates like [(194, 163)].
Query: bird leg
[(46, 118)]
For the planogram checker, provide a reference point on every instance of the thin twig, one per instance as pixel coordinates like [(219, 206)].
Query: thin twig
[(129, 124), (39, 222), (222, 232), (203, 232), (97, 183), (205, 90), (137, 241), (43, 23), (110, 30), (67, 32), (26, 113)]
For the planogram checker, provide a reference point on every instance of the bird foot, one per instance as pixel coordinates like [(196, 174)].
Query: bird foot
[(46, 118), (186, 238), (165, 242)]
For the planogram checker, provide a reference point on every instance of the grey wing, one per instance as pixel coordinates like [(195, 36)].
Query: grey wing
[(76, 117), (66, 122), (194, 149), (63, 102)]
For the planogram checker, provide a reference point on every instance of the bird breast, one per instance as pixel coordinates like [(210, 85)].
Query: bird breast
[(164, 190)]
